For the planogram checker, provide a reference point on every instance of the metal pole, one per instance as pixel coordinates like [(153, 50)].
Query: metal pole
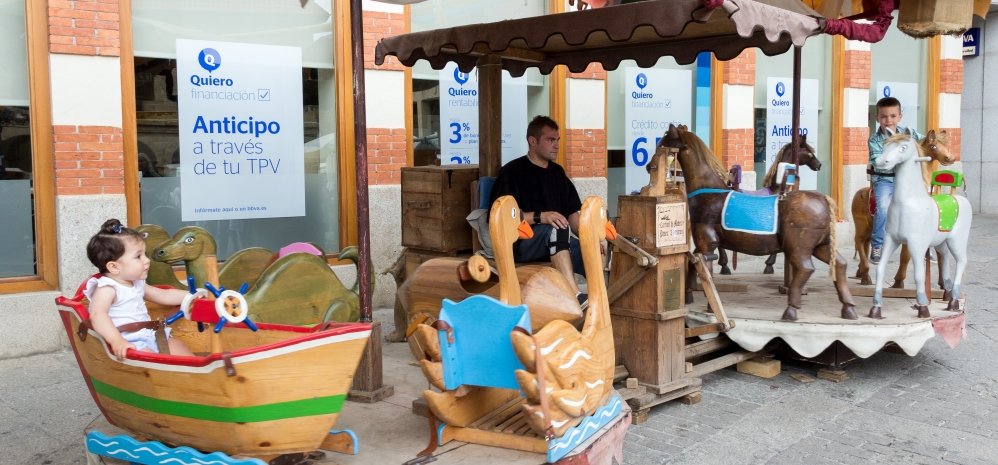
[(795, 140), (360, 158)]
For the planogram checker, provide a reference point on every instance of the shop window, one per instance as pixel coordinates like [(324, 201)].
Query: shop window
[(156, 25), (426, 98), (17, 206)]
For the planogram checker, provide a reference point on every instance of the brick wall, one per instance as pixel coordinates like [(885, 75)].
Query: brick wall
[(856, 75), (951, 76), (386, 152), (386, 147), (585, 152), (378, 25), (741, 69), (951, 82), (855, 147), (738, 143), (954, 142), (88, 160), (857, 69), (737, 147), (84, 27)]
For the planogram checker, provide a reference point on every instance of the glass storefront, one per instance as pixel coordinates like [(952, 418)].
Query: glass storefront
[(157, 24), (426, 80), (815, 67), (17, 248)]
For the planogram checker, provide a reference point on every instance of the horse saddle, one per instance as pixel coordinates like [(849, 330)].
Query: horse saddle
[(750, 214), (949, 210)]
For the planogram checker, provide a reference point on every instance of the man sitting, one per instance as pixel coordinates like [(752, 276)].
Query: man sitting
[(548, 200)]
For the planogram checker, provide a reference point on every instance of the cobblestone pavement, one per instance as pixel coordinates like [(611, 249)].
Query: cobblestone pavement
[(938, 407)]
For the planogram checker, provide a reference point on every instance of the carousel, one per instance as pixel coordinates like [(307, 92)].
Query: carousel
[(666, 339)]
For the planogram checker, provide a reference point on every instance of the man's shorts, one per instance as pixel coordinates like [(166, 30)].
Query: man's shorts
[(541, 247)]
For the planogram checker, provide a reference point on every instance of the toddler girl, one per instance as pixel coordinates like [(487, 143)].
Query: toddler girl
[(117, 298)]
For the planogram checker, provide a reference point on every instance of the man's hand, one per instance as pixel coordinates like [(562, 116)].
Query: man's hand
[(555, 219)]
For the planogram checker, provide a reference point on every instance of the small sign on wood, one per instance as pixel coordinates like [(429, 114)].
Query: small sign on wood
[(670, 224)]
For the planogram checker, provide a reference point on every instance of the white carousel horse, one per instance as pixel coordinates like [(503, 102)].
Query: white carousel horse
[(911, 211)]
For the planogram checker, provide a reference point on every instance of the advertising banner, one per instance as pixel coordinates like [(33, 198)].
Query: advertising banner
[(779, 121), (907, 93), (653, 98), (241, 130), (459, 116)]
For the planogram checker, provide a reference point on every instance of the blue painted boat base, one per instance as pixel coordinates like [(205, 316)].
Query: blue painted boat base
[(126, 448), (560, 447)]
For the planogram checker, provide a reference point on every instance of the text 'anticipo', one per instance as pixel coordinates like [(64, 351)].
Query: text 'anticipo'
[(233, 125)]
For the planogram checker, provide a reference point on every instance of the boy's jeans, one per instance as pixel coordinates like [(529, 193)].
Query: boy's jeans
[(883, 192)]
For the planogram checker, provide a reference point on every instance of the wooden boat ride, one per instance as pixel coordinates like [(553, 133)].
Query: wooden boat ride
[(264, 393)]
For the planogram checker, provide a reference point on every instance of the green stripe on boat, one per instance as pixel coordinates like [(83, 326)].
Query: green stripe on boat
[(277, 411)]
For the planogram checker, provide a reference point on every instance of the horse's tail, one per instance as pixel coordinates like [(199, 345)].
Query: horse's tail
[(833, 218)]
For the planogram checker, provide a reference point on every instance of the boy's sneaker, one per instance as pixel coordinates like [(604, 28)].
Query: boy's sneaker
[(583, 299), (875, 253)]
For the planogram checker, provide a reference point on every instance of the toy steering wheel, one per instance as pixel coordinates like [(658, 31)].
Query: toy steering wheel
[(231, 306)]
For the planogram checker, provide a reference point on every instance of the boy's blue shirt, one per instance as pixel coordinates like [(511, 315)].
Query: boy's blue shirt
[(876, 144)]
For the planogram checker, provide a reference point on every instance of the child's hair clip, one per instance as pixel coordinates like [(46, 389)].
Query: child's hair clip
[(116, 228)]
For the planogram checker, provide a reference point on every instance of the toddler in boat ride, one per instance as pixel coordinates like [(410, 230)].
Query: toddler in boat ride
[(117, 298)]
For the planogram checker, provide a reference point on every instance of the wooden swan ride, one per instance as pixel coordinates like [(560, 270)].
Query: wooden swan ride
[(266, 393), (541, 287), (480, 355)]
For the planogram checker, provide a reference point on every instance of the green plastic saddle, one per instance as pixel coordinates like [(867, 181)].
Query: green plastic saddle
[(949, 209)]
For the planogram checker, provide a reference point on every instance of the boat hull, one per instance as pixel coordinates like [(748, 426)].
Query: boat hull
[(276, 391)]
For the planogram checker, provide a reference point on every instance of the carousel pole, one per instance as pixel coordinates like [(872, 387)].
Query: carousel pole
[(360, 159), (794, 154), (367, 384)]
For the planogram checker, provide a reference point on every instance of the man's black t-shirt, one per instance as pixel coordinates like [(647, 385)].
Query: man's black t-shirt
[(536, 188)]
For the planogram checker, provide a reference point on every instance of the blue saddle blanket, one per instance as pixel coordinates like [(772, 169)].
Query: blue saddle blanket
[(750, 214)]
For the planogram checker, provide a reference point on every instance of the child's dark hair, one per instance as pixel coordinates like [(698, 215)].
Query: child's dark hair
[(888, 102), (108, 245)]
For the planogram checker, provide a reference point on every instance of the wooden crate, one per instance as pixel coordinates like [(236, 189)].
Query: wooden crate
[(435, 202)]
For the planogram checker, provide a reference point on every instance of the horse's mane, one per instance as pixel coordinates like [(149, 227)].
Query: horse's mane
[(900, 138), (768, 179), (697, 146)]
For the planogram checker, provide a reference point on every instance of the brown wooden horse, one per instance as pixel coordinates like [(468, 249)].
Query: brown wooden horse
[(934, 145), (808, 157), (805, 220)]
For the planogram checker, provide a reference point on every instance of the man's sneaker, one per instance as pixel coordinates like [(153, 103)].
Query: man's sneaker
[(875, 253), (583, 299)]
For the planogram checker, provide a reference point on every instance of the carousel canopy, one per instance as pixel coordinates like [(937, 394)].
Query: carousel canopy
[(642, 31)]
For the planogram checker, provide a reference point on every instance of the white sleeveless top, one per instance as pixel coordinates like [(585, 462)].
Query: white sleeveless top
[(129, 304)]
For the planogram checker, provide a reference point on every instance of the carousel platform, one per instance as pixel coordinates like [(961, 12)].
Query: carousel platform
[(753, 302)]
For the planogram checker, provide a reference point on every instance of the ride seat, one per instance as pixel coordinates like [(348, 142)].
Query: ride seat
[(787, 174), (946, 178)]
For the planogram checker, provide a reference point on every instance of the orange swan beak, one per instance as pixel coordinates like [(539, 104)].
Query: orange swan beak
[(611, 232), (524, 231)]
